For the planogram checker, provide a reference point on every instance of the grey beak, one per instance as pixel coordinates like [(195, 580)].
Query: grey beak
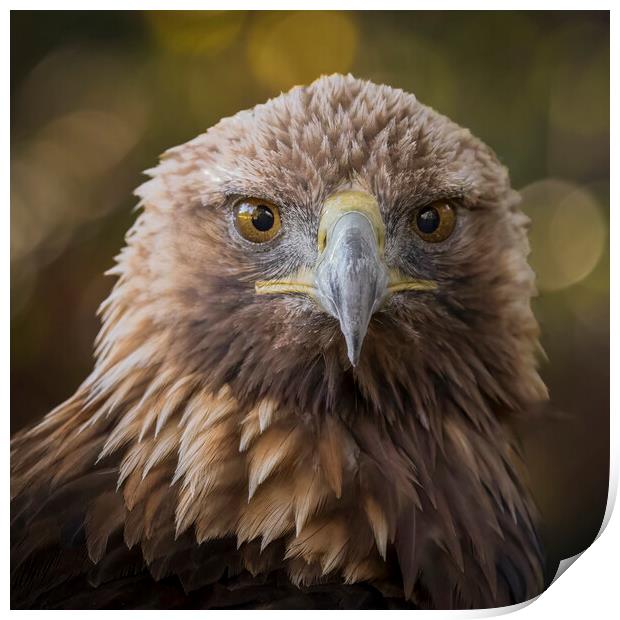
[(351, 278)]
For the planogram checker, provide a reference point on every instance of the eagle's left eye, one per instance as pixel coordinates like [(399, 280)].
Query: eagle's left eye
[(435, 222), (257, 220)]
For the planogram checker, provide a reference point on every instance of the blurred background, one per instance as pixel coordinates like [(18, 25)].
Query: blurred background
[(97, 96)]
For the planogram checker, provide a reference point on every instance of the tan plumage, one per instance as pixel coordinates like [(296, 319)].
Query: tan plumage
[(224, 436)]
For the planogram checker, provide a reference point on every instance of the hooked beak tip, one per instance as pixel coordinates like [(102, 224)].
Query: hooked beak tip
[(354, 347)]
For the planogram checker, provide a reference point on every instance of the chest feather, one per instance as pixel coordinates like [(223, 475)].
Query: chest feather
[(273, 482)]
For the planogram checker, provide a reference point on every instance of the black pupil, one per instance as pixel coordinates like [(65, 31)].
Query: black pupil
[(262, 218), (428, 220)]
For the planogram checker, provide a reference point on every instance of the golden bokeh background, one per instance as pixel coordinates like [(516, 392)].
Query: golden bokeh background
[(96, 96)]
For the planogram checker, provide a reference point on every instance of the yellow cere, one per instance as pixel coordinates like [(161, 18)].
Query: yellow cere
[(350, 200)]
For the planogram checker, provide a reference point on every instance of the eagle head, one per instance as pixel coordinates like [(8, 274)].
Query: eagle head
[(340, 240)]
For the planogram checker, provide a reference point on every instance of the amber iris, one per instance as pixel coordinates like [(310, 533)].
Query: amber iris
[(435, 222), (257, 220)]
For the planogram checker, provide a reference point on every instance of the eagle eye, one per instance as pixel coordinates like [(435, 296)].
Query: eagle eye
[(435, 222), (257, 220)]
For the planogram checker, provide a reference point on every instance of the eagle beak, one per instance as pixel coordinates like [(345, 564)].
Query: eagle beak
[(351, 279)]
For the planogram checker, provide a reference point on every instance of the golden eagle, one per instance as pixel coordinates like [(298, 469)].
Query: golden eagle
[(304, 380)]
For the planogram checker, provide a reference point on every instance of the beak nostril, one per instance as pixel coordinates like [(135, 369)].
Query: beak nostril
[(322, 241)]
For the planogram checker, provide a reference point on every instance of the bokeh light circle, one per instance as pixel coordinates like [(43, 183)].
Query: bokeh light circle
[(299, 47), (568, 232), (195, 32)]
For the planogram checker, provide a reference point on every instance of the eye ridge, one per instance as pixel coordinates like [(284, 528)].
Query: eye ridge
[(434, 222), (257, 220)]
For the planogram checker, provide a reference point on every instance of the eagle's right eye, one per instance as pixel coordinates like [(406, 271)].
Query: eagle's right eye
[(257, 220)]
